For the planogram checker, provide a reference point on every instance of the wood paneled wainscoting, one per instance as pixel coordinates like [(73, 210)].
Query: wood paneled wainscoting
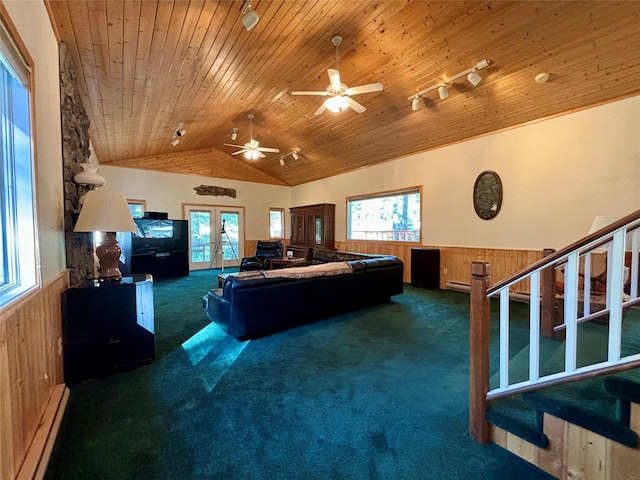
[(32, 393), (455, 261)]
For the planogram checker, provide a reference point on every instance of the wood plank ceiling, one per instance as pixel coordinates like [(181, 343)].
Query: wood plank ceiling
[(144, 66)]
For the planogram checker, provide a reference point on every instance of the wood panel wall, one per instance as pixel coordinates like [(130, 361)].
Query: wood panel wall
[(455, 262), (576, 453), (30, 369)]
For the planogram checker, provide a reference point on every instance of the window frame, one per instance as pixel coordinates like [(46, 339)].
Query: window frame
[(281, 211), (381, 194), (21, 256), (135, 201)]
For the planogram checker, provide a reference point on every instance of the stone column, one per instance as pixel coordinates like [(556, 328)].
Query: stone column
[(75, 150)]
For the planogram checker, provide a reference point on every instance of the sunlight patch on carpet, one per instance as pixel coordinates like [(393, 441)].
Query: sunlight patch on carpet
[(212, 352)]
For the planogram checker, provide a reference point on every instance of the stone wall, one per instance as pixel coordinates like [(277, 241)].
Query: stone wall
[(75, 150)]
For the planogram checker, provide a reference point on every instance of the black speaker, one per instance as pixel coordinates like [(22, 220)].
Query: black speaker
[(425, 268)]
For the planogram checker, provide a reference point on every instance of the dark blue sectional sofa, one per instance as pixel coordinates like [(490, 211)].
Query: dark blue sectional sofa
[(251, 304)]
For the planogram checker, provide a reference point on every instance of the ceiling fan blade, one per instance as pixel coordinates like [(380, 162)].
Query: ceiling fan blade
[(261, 155), (323, 94), (267, 149), (320, 110), (240, 151), (334, 78), (355, 105), (371, 87), (232, 145)]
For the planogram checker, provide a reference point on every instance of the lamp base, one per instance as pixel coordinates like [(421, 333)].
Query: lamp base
[(108, 254)]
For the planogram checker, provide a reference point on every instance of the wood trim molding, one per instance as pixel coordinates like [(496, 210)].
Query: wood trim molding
[(39, 453)]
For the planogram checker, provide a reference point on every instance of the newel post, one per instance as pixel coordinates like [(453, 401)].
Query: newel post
[(479, 352), (548, 302)]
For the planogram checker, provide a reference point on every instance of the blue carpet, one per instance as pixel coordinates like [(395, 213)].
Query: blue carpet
[(380, 393)]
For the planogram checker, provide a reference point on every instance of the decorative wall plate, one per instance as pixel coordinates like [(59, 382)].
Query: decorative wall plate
[(487, 195)]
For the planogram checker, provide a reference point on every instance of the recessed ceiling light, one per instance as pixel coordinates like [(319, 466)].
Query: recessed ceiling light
[(542, 77)]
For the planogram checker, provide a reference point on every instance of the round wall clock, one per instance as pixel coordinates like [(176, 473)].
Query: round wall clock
[(487, 195)]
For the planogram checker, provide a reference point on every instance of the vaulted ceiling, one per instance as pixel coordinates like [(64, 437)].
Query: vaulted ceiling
[(144, 66)]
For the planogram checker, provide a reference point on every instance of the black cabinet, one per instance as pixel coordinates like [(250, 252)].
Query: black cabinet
[(425, 268), (107, 327), (159, 247), (161, 264)]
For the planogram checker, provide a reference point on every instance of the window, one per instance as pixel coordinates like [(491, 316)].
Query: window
[(17, 216), (390, 216), (276, 223), (137, 207)]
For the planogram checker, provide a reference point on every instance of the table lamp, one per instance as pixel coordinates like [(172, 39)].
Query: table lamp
[(106, 212)]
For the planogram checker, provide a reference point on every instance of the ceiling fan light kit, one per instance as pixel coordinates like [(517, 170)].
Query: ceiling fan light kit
[(252, 149), (473, 77), (339, 94)]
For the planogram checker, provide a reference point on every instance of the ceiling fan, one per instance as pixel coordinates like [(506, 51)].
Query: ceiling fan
[(252, 149), (339, 94)]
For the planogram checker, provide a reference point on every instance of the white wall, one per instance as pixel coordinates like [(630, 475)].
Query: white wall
[(166, 192), (33, 25), (557, 175)]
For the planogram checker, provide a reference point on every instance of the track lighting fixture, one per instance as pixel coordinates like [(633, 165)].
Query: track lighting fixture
[(180, 131), (472, 76), (175, 141), (249, 16), (233, 134), (294, 153)]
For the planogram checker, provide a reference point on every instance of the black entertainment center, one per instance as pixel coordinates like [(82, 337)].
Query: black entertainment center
[(159, 247)]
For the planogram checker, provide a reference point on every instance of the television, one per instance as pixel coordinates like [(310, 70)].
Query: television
[(153, 228), (159, 236)]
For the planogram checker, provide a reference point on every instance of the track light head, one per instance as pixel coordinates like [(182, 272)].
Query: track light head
[(474, 78), (443, 91), (295, 155), (282, 161), (234, 134), (415, 104), (180, 133), (250, 17), (175, 141)]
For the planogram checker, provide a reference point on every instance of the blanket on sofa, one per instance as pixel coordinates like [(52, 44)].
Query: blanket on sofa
[(321, 270)]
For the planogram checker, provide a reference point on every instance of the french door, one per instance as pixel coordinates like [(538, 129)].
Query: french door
[(216, 236)]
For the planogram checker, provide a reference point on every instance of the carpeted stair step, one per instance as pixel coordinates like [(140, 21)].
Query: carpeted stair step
[(514, 415), (587, 404), (511, 413), (519, 363), (625, 385)]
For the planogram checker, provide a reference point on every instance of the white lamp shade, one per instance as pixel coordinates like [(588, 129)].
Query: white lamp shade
[(105, 212), (443, 92), (602, 221)]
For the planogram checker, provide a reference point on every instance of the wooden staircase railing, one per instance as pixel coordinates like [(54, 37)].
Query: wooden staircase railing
[(617, 244)]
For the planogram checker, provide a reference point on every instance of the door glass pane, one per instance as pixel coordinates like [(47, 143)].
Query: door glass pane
[(318, 231), (200, 236), (230, 235)]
